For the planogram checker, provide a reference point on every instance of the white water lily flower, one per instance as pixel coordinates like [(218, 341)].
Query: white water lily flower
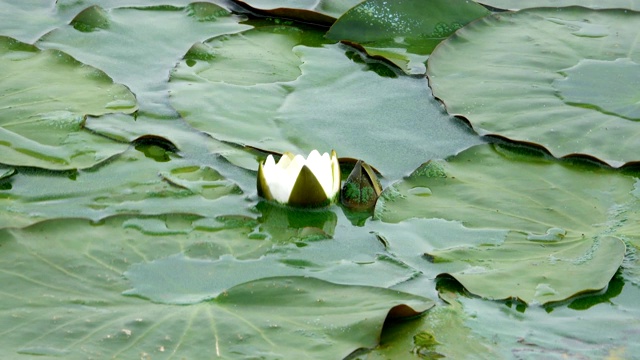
[(296, 181)]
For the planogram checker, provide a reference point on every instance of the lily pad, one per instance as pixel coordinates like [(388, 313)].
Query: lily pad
[(592, 4), (538, 331), (27, 20), (133, 183), (178, 279), (298, 108), (194, 145), (524, 270), (313, 11), (404, 32), (79, 311), (442, 333), (560, 217), (607, 86), (45, 96), (536, 94), (112, 41)]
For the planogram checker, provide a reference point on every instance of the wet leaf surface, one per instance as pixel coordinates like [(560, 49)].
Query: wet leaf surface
[(405, 32)]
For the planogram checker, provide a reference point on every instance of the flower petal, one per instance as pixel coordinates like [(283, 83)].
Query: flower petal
[(320, 165), (263, 187), (286, 160), (307, 191), (280, 177)]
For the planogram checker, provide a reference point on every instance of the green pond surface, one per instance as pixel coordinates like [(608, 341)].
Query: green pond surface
[(505, 142)]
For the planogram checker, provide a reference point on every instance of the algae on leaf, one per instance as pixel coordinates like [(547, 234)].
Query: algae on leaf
[(404, 32)]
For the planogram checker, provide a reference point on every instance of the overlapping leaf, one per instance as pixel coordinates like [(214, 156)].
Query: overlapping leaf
[(112, 40), (404, 32), (44, 97), (313, 11), (78, 309), (63, 279), (310, 97), (593, 4), (137, 182), (537, 94), (441, 333), (560, 219)]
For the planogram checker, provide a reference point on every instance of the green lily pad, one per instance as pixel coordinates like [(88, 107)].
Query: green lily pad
[(132, 183), (79, 310), (607, 86), (559, 217), (313, 11), (441, 333), (523, 269), (593, 4), (132, 44), (45, 96), (177, 279), (194, 145), (537, 94), (537, 331), (404, 32), (269, 108), (26, 20)]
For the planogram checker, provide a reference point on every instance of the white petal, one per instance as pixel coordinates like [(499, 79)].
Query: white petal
[(277, 178), (270, 161), (285, 160), (320, 166), (281, 177)]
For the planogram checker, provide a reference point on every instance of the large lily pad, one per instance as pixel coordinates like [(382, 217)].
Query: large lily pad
[(404, 32), (79, 310), (537, 94), (593, 4), (45, 96), (311, 97), (559, 217), (112, 41)]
